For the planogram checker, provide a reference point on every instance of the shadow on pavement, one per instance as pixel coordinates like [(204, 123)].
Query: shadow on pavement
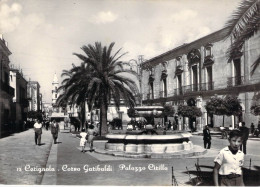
[(41, 144)]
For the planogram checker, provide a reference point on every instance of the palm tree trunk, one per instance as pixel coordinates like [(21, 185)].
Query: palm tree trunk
[(83, 115), (103, 120)]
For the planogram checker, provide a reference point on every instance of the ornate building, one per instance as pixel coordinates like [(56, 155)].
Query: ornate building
[(199, 70), (20, 102), (33, 95), (6, 91)]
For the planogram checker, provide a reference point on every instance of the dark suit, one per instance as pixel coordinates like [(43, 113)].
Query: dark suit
[(54, 131), (245, 134), (206, 138)]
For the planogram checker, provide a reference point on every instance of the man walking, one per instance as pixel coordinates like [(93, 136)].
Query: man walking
[(55, 130), (206, 137), (37, 132), (245, 134)]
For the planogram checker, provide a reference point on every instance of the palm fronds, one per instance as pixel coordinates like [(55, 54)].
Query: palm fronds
[(243, 24)]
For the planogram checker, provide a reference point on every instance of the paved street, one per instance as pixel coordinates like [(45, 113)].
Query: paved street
[(19, 150), (75, 168)]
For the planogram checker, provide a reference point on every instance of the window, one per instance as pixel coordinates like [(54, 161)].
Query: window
[(164, 88), (179, 86), (208, 51), (151, 90), (209, 78), (194, 78)]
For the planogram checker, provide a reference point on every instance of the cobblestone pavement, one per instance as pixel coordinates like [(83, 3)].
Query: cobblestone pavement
[(70, 163), (19, 150)]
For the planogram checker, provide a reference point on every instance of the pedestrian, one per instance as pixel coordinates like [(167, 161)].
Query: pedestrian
[(252, 128), (169, 125), (37, 132), (47, 125), (91, 133), (245, 133), (206, 137), (229, 162), (55, 130), (83, 137)]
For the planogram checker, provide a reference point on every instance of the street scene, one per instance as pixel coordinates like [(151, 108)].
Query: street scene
[(130, 93)]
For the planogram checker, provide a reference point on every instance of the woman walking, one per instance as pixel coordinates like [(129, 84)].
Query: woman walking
[(91, 133)]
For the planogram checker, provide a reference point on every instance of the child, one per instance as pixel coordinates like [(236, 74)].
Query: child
[(83, 135), (229, 161)]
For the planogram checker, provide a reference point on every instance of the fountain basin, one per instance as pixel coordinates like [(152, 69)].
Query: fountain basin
[(149, 144)]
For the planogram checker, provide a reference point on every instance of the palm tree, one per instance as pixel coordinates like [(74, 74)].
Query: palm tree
[(243, 25), (74, 88), (100, 78)]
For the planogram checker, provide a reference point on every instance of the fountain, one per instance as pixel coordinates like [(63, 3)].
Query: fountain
[(140, 145)]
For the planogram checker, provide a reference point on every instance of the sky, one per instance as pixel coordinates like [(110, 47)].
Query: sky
[(43, 34)]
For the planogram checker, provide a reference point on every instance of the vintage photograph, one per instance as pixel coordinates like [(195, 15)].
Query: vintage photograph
[(130, 92)]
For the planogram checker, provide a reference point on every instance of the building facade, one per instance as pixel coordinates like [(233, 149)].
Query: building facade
[(199, 70), (6, 91), (20, 102), (33, 95)]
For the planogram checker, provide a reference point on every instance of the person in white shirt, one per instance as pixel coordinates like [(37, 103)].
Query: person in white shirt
[(83, 139), (229, 162), (38, 132)]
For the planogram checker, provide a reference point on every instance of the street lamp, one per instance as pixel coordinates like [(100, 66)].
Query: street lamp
[(139, 73)]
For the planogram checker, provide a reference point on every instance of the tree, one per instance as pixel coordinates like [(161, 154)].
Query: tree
[(168, 110), (243, 25), (189, 111), (229, 105), (255, 106), (74, 88), (255, 109), (100, 78)]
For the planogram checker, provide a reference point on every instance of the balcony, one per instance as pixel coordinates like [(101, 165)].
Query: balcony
[(207, 86), (178, 91), (162, 94), (148, 96), (235, 81), (8, 89), (190, 88)]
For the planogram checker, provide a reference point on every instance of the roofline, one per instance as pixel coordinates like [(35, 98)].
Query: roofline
[(213, 37)]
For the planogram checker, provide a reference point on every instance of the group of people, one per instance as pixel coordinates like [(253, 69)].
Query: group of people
[(38, 131), (87, 137)]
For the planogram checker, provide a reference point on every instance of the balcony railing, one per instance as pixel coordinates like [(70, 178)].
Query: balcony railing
[(148, 96), (190, 88), (207, 86), (8, 89), (162, 94), (178, 91), (235, 81)]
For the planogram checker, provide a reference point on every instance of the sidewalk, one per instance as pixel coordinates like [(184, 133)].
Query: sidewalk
[(218, 134), (19, 150)]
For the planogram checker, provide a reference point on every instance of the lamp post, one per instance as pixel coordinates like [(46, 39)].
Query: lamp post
[(139, 73)]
